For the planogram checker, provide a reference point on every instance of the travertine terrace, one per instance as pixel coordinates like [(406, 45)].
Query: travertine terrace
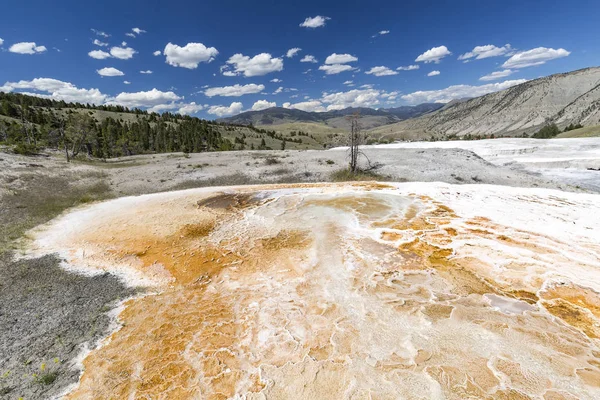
[(363, 291)]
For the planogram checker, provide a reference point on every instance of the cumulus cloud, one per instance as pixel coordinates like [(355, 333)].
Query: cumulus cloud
[(349, 83), (148, 98), (157, 53), (1, 41), (314, 22), (235, 90), (130, 34), (352, 98), (26, 48), (99, 43), (381, 71), (278, 90), (340, 59), (122, 53), (260, 64), (433, 73), (533, 57), (146, 72), (100, 33), (336, 68), (57, 90), (190, 55), (497, 75), (407, 68), (191, 108), (292, 52), (308, 106), (309, 58), (434, 55), (458, 92), (221, 111), (367, 97), (109, 71), (138, 31), (99, 54), (127, 82), (487, 51), (275, 80), (263, 105)]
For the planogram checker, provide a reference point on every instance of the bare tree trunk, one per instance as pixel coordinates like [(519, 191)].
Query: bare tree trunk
[(64, 139), (355, 139)]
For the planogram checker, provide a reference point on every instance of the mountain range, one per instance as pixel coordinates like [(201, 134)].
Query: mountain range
[(370, 118), (563, 99)]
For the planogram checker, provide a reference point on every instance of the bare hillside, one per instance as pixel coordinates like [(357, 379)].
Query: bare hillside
[(567, 98)]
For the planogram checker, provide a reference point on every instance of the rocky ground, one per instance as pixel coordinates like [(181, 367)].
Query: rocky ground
[(46, 314)]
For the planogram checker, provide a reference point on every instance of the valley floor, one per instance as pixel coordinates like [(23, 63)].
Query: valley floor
[(34, 190)]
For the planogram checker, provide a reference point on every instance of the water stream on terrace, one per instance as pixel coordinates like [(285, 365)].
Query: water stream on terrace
[(341, 292)]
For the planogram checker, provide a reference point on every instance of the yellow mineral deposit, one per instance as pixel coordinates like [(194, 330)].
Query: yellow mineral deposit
[(342, 292)]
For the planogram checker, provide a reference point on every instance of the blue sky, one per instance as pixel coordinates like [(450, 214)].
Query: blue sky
[(219, 58)]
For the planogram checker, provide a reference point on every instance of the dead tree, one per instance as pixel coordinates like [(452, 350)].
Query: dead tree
[(355, 140)]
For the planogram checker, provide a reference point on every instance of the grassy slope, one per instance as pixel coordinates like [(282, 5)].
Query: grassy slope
[(586, 131), (252, 137)]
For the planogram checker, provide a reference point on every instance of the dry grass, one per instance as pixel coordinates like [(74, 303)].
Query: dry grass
[(345, 175)]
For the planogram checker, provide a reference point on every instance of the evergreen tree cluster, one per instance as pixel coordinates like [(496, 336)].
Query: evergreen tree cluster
[(38, 122)]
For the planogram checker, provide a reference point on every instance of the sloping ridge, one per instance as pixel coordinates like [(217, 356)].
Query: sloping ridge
[(564, 98)]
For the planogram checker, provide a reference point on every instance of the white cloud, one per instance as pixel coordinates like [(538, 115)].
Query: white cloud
[(337, 101), (433, 73), (26, 48), (292, 52), (263, 105), (308, 106), (381, 71), (146, 72), (132, 35), (489, 50), (191, 108), (497, 75), (533, 57), (99, 43), (190, 55), (352, 98), (221, 111), (260, 64), (57, 90), (380, 33), (349, 83), (127, 82), (278, 90), (235, 90), (99, 54), (336, 68), (307, 71), (340, 59), (314, 22), (100, 33), (149, 98), (434, 55), (309, 58), (122, 53), (408, 68), (157, 53), (275, 80), (1, 41), (109, 71), (138, 31), (123, 43), (458, 92)]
